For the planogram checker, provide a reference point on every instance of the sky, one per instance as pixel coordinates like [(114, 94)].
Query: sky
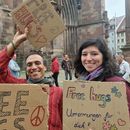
[(115, 8)]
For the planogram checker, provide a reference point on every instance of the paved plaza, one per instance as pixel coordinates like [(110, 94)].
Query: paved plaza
[(61, 77)]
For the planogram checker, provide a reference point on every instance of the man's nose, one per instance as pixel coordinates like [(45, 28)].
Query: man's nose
[(34, 66)]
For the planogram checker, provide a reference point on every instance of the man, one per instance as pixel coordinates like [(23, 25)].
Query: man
[(67, 67), (123, 66), (14, 67), (35, 72)]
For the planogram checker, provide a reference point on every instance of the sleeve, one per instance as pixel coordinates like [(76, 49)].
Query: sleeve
[(5, 74), (56, 67), (55, 106), (63, 65), (128, 95), (61, 103), (4, 59), (71, 64), (127, 71)]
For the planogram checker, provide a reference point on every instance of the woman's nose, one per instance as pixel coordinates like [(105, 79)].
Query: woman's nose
[(88, 57)]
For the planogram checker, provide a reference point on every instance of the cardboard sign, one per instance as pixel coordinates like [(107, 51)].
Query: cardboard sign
[(42, 20), (95, 106), (23, 107)]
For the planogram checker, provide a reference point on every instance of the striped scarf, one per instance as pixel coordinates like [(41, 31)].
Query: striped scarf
[(94, 74)]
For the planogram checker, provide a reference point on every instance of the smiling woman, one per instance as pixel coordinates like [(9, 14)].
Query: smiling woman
[(94, 62), (94, 59)]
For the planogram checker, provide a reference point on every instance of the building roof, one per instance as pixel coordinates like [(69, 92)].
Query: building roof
[(116, 20), (121, 27)]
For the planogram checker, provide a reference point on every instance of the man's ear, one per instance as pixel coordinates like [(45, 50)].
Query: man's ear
[(45, 68), (26, 74)]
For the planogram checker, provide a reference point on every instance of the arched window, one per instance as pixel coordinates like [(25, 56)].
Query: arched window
[(78, 4)]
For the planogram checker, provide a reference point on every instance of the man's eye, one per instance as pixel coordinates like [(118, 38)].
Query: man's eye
[(29, 64), (37, 62)]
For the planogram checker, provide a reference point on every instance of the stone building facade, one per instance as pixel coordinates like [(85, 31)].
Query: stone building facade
[(83, 19), (92, 20), (126, 48)]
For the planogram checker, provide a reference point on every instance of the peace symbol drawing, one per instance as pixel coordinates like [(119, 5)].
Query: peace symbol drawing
[(37, 116)]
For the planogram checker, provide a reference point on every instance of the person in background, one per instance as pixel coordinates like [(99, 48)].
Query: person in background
[(35, 70), (94, 62), (124, 67), (55, 67), (14, 67), (66, 65)]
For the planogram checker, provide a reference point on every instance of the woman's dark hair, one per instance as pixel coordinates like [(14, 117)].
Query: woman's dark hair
[(109, 64)]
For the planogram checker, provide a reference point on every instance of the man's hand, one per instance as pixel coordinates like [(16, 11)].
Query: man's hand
[(20, 37)]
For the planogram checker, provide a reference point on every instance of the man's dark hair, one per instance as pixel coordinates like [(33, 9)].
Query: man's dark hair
[(32, 52)]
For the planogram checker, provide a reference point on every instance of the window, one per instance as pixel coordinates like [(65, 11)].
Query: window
[(118, 40), (122, 34), (122, 40), (78, 4)]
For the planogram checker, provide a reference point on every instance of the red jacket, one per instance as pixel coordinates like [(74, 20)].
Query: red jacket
[(55, 97), (55, 65), (55, 108)]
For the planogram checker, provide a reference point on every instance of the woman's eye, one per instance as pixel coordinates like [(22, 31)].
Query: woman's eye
[(84, 54), (94, 54)]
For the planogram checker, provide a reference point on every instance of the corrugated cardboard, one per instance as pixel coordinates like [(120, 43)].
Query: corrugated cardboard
[(95, 106), (42, 20), (23, 107)]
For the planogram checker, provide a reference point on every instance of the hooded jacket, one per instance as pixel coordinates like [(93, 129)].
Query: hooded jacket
[(55, 65)]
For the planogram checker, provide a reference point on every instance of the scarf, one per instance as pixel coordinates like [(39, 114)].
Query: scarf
[(45, 80), (94, 74)]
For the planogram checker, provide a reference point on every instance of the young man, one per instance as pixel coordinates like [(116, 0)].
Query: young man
[(35, 70), (67, 67)]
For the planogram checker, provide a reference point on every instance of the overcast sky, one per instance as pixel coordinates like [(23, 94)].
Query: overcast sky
[(115, 7)]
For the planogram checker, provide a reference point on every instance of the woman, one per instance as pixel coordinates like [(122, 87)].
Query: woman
[(95, 63), (55, 68)]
